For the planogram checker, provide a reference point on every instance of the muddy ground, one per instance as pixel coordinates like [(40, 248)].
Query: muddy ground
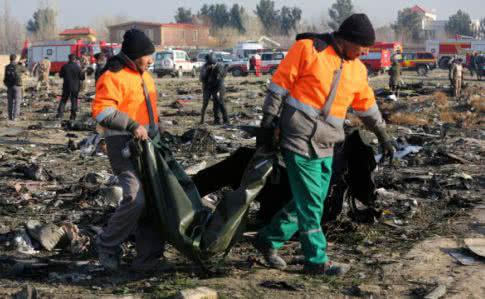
[(431, 201)]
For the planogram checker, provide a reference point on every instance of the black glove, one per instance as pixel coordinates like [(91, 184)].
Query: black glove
[(266, 135), (386, 144)]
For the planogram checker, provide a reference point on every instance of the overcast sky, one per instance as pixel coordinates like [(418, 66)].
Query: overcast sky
[(83, 12)]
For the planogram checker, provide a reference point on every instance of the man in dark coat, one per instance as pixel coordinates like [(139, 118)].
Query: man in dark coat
[(212, 77), (100, 63), (72, 75)]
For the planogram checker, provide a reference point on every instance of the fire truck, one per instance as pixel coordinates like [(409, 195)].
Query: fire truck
[(58, 51), (393, 47), (377, 61), (444, 50)]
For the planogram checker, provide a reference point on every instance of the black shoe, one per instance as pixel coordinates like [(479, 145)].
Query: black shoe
[(329, 268), (270, 255)]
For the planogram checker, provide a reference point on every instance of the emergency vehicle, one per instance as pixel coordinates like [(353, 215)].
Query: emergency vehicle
[(393, 47), (58, 52), (421, 62), (377, 61), (444, 50), (270, 61), (247, 49)]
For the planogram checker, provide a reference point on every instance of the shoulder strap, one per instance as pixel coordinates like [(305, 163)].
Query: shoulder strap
[(152, 129), (333, 91)]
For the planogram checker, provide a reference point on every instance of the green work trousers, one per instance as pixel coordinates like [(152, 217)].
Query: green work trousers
[(309, 182)]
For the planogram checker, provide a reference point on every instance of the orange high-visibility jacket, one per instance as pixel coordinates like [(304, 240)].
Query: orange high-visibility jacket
[(312, 112), (123, 91), (305, 75)]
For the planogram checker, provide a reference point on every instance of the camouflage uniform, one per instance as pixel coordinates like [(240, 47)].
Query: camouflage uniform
[(43, 69), (84, 67), (395, 76), (456, 78)]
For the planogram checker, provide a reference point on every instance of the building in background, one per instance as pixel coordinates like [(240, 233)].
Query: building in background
[(84, 33), (165, 35)]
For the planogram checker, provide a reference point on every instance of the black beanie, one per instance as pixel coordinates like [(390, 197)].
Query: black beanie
[(357, 29), (210, 58), (136, 44)]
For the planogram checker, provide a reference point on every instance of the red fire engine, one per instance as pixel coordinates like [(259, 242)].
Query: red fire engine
[(377, 61), (393, 47)]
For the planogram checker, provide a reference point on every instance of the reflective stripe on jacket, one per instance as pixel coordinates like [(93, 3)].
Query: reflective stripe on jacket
[(303, 82), (123, 91)]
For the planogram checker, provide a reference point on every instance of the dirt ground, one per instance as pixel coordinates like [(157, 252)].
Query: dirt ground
[(430, 202)]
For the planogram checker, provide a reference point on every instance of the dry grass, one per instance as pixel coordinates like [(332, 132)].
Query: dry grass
[(448, 117), (461, 119), (407, 119), (440, 99), (478, 104)]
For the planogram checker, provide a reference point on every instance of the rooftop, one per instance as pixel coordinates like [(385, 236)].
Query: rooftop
[(78, 31), (177, 25)]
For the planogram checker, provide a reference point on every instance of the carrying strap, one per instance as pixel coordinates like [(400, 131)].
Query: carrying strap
[(333, 91), (152, 128)]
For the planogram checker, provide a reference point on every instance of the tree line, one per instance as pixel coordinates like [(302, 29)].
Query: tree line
[(216, 16), (408, 26)]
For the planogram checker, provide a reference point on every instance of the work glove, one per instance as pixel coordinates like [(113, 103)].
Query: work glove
[(386, 144), (268, 135)]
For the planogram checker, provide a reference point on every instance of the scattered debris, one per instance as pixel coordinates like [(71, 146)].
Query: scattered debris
[(197, 293), (437, 292), (47, 235), (282, 285), (463, 257), (476, 245)]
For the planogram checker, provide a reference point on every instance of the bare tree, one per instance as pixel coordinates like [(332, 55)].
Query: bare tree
[(102, 23), (12, 33), (385, 33), (43, 25)]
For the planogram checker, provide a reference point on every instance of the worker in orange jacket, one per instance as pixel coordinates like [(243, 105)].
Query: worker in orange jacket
[(315, 84), (126, 106)]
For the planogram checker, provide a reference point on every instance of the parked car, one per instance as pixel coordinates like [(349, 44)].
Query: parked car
[(270, 61), (175, 63), (238, 66), (377, 61), (224, 57), (422, 62)]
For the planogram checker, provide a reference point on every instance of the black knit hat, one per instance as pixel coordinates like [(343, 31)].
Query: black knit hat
[(210, 58), (357, 29), (136, 44)]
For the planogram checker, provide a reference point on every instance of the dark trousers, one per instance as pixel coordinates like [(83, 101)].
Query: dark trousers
[(72, 95), (14, 98), (126, 219), (219, 105)]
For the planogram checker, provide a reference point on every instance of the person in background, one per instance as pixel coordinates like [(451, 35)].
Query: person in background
[(73, 76), (395, 76), (212, 76), (13, 81), (100, 64), (456, 77), (42, 70)]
